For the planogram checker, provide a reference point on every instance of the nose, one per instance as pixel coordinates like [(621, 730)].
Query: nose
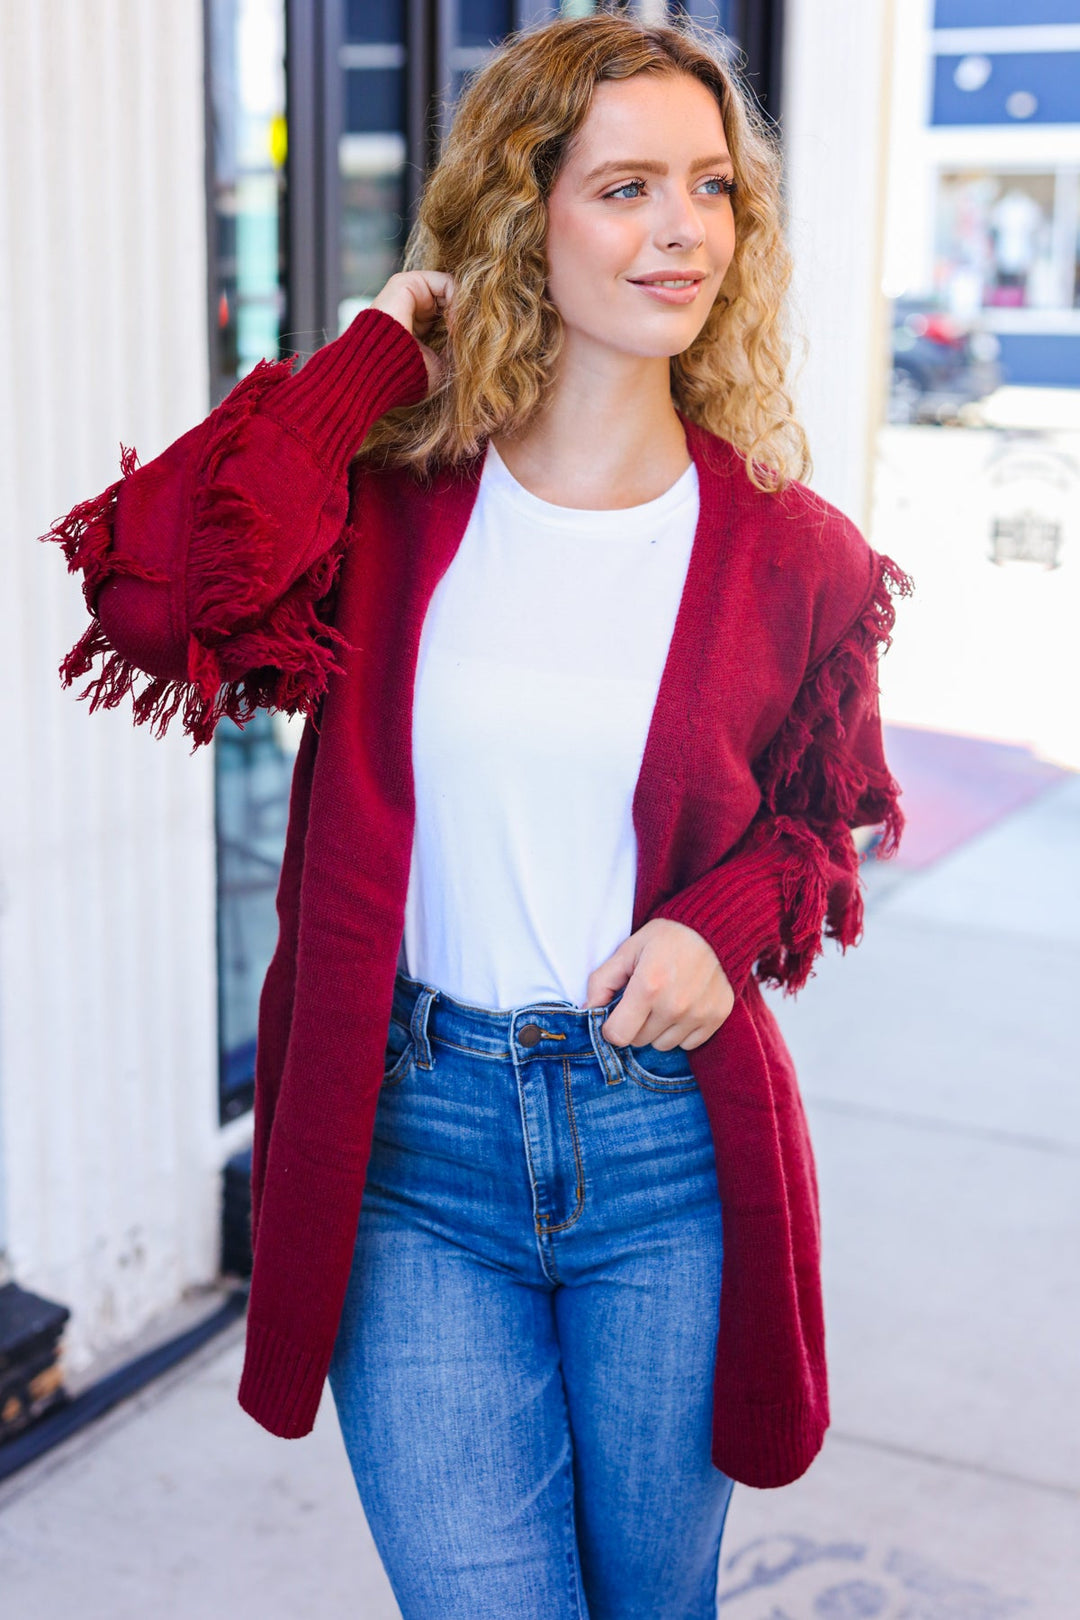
[(681, 225)]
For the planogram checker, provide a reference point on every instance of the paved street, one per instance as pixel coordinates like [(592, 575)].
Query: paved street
[(939, 1066)]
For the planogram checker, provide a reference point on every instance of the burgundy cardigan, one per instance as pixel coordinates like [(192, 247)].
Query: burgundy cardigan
[(254, 563)]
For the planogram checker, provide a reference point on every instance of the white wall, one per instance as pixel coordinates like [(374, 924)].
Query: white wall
[(835, 122), (111, 1150)]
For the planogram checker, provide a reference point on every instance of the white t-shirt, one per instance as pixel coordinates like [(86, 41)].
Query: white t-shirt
[(539, 664)]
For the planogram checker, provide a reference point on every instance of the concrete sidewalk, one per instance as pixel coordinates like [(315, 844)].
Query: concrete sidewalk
[(939, 1066)]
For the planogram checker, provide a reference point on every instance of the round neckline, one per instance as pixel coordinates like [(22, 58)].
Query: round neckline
[(612, 519)]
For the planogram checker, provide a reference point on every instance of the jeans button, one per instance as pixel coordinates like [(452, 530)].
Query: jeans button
[(528, 1034)]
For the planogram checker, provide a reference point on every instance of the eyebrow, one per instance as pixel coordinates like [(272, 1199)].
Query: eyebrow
[(648, 166)]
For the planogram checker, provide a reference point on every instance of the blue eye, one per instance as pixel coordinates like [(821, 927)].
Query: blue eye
[(725, 182)]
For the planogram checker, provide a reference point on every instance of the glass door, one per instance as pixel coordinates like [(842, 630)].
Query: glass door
[(323, 118)]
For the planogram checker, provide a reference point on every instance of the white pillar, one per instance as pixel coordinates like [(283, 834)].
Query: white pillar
[(835, 124), (108, 1089)]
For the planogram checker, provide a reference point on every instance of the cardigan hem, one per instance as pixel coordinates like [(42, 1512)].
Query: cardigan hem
[(766, 1445)]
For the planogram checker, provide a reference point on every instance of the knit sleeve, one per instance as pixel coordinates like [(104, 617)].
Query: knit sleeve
[(208, 569), (794, 876)]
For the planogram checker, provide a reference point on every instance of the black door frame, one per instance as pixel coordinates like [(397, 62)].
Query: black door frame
[(315, 89)]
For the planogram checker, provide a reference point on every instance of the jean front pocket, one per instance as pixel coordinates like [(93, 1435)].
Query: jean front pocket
[(399, 1053), (657, 1070)]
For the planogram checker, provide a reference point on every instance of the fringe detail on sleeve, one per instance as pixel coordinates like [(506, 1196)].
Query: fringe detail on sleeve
[(816, 789), (241, 654), (819, 883), (85, 534)]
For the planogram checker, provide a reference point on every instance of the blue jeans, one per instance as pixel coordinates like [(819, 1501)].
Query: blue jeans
[(523, 1370)]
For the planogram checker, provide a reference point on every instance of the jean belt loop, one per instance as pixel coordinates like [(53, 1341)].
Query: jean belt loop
[(610, 1056), (418, 1026)]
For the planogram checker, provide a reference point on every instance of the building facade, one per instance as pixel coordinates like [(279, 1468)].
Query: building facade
[(984, 211), (983, 227)]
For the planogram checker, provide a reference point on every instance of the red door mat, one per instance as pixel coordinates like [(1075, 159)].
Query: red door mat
[(956, 787)]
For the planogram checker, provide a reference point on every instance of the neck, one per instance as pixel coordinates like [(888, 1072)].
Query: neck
[(607, 432)]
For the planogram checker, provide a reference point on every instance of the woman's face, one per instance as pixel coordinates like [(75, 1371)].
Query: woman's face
[(660, 205)]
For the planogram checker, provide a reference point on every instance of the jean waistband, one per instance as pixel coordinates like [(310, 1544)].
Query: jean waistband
[(535, 1029)]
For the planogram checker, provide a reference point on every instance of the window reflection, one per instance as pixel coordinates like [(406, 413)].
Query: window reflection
[(247, 137), (996, 244), (371, 151), (365, 124), (252, 768)]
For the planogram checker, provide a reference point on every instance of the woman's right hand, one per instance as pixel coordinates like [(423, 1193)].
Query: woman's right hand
[(417, 298)]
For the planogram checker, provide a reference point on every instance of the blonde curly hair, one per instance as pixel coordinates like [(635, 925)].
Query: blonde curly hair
[(483, 219)]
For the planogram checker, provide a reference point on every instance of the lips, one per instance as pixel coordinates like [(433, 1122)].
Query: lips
[(685, 292), (667, 275)]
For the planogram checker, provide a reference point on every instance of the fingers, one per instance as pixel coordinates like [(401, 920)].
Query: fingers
[(416, 298), (632, 1017), (655, 1030), (677, 994), (658, 1032), (440, 282), (433, 291)]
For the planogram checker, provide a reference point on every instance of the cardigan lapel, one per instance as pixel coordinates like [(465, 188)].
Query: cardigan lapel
[(663, 780), (436, 520)]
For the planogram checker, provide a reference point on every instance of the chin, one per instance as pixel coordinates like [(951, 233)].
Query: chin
[(662, 345), (668, 336)]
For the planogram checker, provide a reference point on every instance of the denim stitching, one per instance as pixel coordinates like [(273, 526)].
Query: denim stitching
[(396, 1074), (472, 1051), (579, 1190), (577, 1590), (539, 1225), (655, 1082)]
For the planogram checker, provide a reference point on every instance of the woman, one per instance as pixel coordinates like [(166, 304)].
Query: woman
[(590, 686)]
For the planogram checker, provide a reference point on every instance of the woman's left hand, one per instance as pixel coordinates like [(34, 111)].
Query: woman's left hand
[(677, 994)]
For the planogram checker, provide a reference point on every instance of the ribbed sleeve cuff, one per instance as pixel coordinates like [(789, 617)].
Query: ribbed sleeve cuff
[(736, 907), (348, 384), (767, 1446), (280, 1385)]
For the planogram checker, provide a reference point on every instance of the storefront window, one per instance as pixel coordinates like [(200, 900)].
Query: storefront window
[(371, 151), (370, 84), (247, 148), (479, 22), (997, 245), (1005, 257), (246, 138), (253, 770)]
